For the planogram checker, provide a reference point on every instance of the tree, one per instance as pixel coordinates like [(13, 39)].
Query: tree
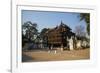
[(79, 30), (30, 31), (86, 17), (43, 31)]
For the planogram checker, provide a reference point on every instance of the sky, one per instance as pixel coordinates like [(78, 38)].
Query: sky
[(51, 19)]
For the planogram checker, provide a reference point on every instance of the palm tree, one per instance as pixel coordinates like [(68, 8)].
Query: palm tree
[(86, 17)]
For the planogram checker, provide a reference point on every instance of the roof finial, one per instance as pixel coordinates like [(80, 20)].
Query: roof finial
[(61, 22)]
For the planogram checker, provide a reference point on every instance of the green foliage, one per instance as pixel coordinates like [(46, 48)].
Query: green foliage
[(30, 30), (86, 17), (43, 31)]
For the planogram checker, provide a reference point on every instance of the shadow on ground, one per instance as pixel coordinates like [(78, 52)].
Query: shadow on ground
[(26, 58)]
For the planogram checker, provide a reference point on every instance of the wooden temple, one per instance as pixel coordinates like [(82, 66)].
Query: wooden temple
[(58, 36)]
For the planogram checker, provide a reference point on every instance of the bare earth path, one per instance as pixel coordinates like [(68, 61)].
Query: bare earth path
[(35, 56)]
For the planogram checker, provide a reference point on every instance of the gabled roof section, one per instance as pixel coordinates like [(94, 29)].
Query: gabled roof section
[(64, 25), (59, 28)]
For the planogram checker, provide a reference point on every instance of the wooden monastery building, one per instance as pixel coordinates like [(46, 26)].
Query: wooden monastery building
[(59, 36)]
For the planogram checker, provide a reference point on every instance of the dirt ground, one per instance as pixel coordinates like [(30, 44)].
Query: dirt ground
[(37, 55)]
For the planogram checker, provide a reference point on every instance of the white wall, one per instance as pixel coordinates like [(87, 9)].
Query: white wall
[(5, 34)]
